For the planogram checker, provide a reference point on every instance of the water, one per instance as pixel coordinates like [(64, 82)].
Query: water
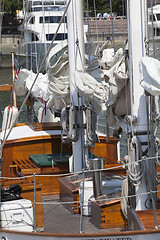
[(6, 77)]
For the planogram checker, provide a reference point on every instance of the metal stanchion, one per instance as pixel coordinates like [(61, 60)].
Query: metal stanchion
[(35, 223)]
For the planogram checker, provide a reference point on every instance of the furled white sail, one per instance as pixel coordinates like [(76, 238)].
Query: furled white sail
[(19, 86), (25, 81), (150, 75), (118, 99), (101, 87)]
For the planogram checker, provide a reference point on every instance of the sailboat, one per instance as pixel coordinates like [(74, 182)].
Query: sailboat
[(68, 165)]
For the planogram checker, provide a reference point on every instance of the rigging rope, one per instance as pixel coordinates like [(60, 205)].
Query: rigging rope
[(135, 169), (124, 199), (29, 92)]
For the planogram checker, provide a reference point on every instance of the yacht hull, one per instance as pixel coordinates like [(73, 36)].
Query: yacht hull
[(133, 235)]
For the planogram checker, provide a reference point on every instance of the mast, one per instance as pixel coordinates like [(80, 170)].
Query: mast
[(137, 19), (76, 62), (1, 19)]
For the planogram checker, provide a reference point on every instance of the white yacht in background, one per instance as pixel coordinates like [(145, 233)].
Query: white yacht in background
[(40, 22), (41, 19), (154, 22)]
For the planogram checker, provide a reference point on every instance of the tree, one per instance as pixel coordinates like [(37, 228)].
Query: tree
[(104, 6), (10, 6)]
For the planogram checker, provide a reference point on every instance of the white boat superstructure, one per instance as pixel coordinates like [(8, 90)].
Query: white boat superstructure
[(42, 22), (41, 19), (154, 21)]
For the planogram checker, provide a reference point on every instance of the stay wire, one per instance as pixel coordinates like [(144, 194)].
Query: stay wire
[(28, 94)]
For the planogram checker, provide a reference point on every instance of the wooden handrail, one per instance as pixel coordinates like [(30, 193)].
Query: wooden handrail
[(5, 87)]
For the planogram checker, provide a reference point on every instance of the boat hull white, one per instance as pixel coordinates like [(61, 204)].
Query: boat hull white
[(132, 235)]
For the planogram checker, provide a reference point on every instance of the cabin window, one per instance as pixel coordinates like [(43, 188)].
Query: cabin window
[(154, 19), (37, 3), (51, 19), (47, 8), (62, 8), (48, 3), (60, 2), (36, 9), (156, 32), (34, 37), (32, 20), (158, 17), (60, 36)]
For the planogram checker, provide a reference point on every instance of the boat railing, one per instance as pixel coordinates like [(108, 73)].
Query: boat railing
[(82, 201), (105, 27), (102, 18)]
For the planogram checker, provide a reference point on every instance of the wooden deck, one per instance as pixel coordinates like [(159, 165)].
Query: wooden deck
[(26, 166), (146, 218)]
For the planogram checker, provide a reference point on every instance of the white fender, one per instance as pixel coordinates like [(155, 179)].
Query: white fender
[(9, 116)]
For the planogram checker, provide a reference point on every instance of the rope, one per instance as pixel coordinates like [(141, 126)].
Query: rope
[(135, 169), (87, 171), (124, 195), (105, 197), (91, 119), (29, 92), (80, 54)]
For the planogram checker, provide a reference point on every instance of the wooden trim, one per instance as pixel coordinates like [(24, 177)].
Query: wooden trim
[(68, 184), (103, 139), (107, 203), (45, 126), (26, 166), (5, 87), (31, 139), (80, 235)]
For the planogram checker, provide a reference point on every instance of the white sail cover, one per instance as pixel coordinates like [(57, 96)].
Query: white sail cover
[(19, 86), (118, 99), (150, 75), (101, 87), (25, 81)]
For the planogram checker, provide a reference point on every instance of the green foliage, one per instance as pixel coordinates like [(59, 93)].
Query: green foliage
[(104, 6), (10, 6)]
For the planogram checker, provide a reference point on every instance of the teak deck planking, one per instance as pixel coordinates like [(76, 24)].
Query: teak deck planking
[(146, 218)]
